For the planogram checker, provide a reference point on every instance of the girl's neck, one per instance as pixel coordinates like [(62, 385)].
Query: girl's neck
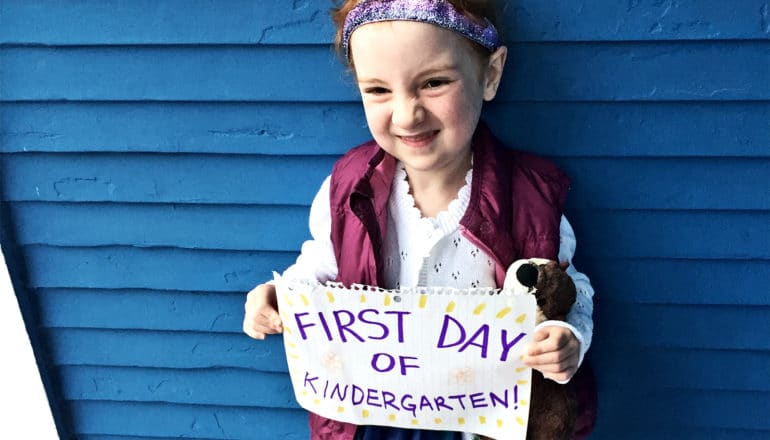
[(434, 190)]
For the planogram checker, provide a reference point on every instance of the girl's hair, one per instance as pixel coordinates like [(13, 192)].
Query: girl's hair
[(477, 10)]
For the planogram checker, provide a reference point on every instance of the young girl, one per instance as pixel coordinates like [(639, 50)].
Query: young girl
[(434, 199)]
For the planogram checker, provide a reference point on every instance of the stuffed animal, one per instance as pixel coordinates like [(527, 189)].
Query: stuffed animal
[(553, 406)]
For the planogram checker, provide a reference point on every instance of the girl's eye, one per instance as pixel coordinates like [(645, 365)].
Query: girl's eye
[(435, 83), (376, 90)]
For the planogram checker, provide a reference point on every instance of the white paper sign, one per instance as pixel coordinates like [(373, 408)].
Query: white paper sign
[(443, 359)]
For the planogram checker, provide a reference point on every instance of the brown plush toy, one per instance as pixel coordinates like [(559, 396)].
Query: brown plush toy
[(553, 407)]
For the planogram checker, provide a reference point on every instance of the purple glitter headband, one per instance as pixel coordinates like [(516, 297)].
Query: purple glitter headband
[(437, 12)]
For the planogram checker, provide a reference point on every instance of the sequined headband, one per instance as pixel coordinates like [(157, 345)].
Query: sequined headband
[(437, 12)]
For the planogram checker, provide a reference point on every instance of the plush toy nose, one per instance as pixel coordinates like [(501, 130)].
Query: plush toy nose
[(527, 275)]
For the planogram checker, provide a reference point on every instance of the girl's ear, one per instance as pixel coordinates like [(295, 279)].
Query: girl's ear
[(494, 72)]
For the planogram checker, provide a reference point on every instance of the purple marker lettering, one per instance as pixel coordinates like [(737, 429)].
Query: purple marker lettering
[(477, 400), (356, 391), (343, 328), (384, 327), (408, 404), (483, 331), (440, 403), (495, 399), (399, 321), (302, 326), (309, 381), (325, 325), (508, 345), (444, 329), (459, 398), (387, 400), (372, 398)]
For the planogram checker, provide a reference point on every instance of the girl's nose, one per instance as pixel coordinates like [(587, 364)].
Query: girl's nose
[(407, 112)]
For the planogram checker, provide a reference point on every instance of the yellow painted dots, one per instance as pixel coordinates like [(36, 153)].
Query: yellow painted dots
[(293, 356), (522, 382), (291, 344), (287, 329), (501, 314), (392, 417), (363, 298), (523, 402), (317, 401), (479, 308), (482, 420), (288, 300), (423, 301), (520, 319), (365, 414), (304, 392), (450, 307), (330, 296), (460, 421), (499, 423), (437, 421), (415, 422), (521, 369), (520, 421), (387, 299), (340, 409), (304, 300)]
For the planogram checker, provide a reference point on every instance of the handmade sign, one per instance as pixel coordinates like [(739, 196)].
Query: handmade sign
[(442, 359)]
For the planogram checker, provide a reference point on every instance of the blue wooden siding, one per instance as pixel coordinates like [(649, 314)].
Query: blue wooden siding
[(158, 158)]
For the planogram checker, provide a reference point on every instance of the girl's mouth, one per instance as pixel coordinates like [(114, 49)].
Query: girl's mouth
[(419, 140)]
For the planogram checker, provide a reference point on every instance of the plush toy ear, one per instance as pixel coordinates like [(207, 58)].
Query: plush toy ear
[(527, 275)]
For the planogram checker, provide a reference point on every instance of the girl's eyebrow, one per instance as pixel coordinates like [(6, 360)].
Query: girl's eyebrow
[(422, 74)]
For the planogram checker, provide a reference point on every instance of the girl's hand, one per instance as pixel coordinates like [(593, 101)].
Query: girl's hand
[(261, 312), (555, 352)]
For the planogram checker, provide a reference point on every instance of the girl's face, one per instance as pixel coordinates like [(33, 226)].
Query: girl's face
[(422, 88)]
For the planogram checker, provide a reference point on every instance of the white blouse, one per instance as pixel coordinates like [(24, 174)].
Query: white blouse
[(431, 251)]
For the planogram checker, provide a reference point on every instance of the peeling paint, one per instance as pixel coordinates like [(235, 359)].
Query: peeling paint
[(263, 38), (153, 389), (266, 131), (77, 184), (219, 317)]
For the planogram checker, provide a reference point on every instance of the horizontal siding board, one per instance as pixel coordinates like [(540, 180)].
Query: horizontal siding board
[(306, 22), (165, 178), (656, 411), (685, 326), (156, 268), (564, 72), (150, 349), (666, 281), (226, 387), (624, 183), (658, 281), (613, 234), (617, 129), (214, 312), (654, 431), (196, 421), (647, 368)]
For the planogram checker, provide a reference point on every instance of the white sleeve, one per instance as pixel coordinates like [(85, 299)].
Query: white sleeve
[(579, 319), (316, 261)]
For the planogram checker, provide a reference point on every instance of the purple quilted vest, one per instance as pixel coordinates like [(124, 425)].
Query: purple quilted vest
[(514, 212)]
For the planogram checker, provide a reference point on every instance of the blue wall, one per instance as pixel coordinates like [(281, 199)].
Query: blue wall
[(157, 159)]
